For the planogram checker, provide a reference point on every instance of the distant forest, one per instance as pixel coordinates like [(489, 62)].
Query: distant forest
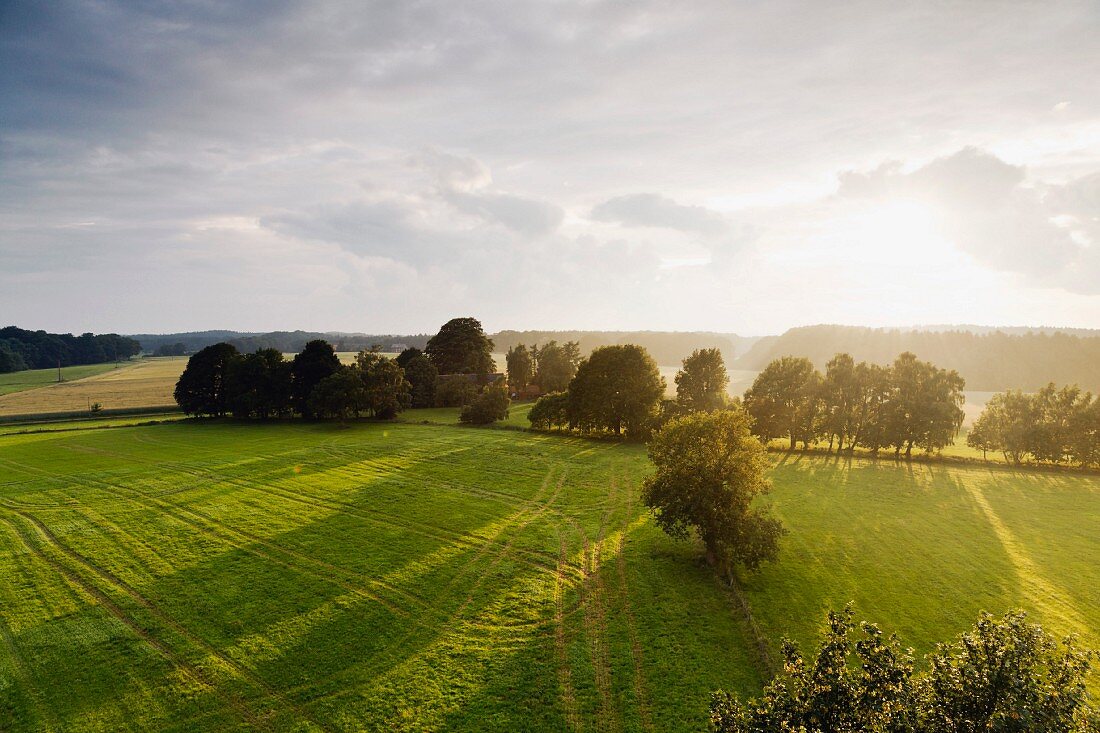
[(666, 347), (990, 362), (21, 349)]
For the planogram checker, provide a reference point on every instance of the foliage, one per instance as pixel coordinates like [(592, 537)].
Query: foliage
[(1004, 676), (312, 364), (461, 347), (422, 377), (408, 355), (910, 403), (778, 398), (340, 395), (387, 391), (1053, 425), (21, 349), (521, 367), (490, 406), (551, 411), (617, 389), (701, 383), (201, 389), (259, 385), (455, 390), (555, 364), (709, 469)]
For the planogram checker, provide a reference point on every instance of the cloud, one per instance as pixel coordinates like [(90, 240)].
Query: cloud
[(991, 211), (655, 210)]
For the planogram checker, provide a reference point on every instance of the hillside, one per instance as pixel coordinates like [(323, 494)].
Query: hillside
[(992, 361)]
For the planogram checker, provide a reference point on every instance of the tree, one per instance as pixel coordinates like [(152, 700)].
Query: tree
[(490, 406), (201, 389), (550, 411), (313, 363), (701, 383), (778, 396), (454, 390), (422, 376), (841, 392), (555, 365), (616, 388), (387, 391), (259, 384), (1004, 676), (521, 367), (461, 347), (340, 395), (407, 356), (709, 471)]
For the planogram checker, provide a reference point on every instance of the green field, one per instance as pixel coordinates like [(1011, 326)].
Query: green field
[(294, 576), (34, 378)]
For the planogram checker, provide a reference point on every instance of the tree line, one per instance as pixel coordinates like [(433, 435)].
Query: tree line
[(21, 349), (1054, 425), (454, 369), (907, 404), (990, 361)]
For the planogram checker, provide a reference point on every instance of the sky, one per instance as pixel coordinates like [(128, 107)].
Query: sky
[(739, 167)]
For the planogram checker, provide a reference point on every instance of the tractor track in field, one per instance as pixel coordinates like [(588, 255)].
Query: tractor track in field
[(561, 648), (641, 687), (100, 598), (596, 620), (239, 668), (23, 674)]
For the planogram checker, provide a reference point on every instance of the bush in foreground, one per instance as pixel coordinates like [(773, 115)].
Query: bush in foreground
[(1003, 676)]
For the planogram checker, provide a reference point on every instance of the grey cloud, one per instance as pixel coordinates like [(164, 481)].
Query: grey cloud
[(655, 210)]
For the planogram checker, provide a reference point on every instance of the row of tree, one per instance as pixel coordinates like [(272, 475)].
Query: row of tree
[(21, 349), (907, 404), (454, 370), (1053, 425)]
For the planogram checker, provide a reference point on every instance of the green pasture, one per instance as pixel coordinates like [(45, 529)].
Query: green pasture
[(34, 378), (292, 576)]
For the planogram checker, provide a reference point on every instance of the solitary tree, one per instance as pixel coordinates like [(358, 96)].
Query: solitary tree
[(315, 362), (709, 471), (701, 383), (201, 389), (461, 347), (617, 388)]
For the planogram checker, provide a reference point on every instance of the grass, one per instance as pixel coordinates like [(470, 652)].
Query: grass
[(293, 576), (35, 378), (146, 383), (296, 576)]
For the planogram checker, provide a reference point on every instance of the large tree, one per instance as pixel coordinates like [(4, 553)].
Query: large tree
[(617, 388), (701, 383), (387, 390), (709, 471), (779, 398), (312, 364), (461, 347), (340, 395), (259, 384), (201, 389)]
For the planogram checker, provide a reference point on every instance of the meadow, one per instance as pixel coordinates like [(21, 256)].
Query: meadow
[(36, 378), (142, 384), (294, 576)]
